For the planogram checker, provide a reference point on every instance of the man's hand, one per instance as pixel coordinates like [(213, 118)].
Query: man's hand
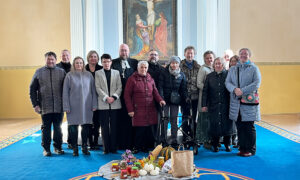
[(37, 109), (204, 109)]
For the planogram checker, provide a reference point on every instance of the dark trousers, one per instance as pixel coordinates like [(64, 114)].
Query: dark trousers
[(84, 135), (124, 129), (247, 135), (69, 136), (144, 137), (186, 127), (216, 140), (94, 129), (109, 129), (47, 121)]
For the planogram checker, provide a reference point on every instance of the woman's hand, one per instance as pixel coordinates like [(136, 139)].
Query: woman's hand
[(131, 114), (94, 109), (68, 111), (238, 92), (204, 109), (110, 100), (162, 103)]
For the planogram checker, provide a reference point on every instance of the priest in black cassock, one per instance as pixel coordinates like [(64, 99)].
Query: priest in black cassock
[(126, 66)]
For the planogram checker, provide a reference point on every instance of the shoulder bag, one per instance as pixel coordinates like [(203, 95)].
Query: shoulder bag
[(250, 98)]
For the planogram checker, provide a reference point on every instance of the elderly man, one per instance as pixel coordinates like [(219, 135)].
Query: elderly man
[(190, 68), (126, 67), (46, 97), (65, 61)]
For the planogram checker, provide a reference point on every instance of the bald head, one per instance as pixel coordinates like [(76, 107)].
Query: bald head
[(124, 51)]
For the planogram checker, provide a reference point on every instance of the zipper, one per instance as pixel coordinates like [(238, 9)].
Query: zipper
[(51, 88)]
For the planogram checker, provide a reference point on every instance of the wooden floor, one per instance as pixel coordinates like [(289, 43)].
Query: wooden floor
[(10, 127)]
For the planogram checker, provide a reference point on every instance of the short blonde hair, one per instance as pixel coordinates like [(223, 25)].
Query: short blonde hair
[(90, 54)]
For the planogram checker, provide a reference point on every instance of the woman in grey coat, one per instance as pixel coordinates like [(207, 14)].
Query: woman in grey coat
[(203, 121), (244, 115), (79, 102), (109, 89)]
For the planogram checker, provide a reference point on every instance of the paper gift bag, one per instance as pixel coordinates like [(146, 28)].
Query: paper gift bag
[(182, 163)]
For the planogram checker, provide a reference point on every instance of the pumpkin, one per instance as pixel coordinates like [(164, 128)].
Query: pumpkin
[(166, 152)]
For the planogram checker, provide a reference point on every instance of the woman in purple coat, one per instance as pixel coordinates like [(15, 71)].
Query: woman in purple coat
[(140, 96)]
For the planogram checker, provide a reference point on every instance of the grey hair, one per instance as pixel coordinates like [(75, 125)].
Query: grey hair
[(143, 63), (222, 60), (247, 49)]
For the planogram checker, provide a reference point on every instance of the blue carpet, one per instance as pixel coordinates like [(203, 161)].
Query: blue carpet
[(277, 158)]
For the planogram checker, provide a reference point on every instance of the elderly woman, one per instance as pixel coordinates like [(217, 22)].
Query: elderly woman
[(233, 60), (109, 88), (172, 86), (215, 101), (79, 102), (243, 79), (203, 121), (140, 96), (92, 67)]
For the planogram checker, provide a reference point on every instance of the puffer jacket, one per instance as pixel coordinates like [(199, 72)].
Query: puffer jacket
[(191, 77), (46, 89), (250, 80), (168, 83), (140, 96)]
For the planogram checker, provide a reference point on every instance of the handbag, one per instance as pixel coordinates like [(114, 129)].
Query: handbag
[(250, 98), (182, 162), (175, 98)]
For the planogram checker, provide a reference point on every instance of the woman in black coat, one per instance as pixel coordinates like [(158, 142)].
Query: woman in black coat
[(172, 79), (215, 100)]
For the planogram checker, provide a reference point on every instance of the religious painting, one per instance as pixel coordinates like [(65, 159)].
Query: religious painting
[(150, 24)]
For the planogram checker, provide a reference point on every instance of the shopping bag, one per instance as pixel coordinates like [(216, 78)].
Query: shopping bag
[(182, 162)]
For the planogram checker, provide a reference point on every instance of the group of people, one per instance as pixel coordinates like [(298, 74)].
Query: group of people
[(125, 97)]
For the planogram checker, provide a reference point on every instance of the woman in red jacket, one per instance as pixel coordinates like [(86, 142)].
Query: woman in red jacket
[(140, 96)]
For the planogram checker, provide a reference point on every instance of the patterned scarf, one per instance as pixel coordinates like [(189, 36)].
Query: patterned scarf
[(175, 72)]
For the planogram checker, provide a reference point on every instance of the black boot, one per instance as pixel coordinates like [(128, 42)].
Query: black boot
[(228, 149), (85, 151), (75, 151)]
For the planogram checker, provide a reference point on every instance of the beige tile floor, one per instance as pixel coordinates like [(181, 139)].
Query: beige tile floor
[(10, 127)]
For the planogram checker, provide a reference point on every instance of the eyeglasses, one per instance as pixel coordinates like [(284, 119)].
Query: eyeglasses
[(153, 54)]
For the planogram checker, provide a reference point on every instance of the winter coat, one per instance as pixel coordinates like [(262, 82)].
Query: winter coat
[(102, 89), (140, 96), (168, 83), (215, 97), (191, 77), (98, 67), (250, 79), (79, 97), (155, 70), (64, 66), (202, 73), (46, 89)]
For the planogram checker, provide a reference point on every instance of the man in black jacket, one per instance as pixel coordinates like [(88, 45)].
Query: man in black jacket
[(65, 61), (46, 98), (126, 67), (66, 65), (154, 68)]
